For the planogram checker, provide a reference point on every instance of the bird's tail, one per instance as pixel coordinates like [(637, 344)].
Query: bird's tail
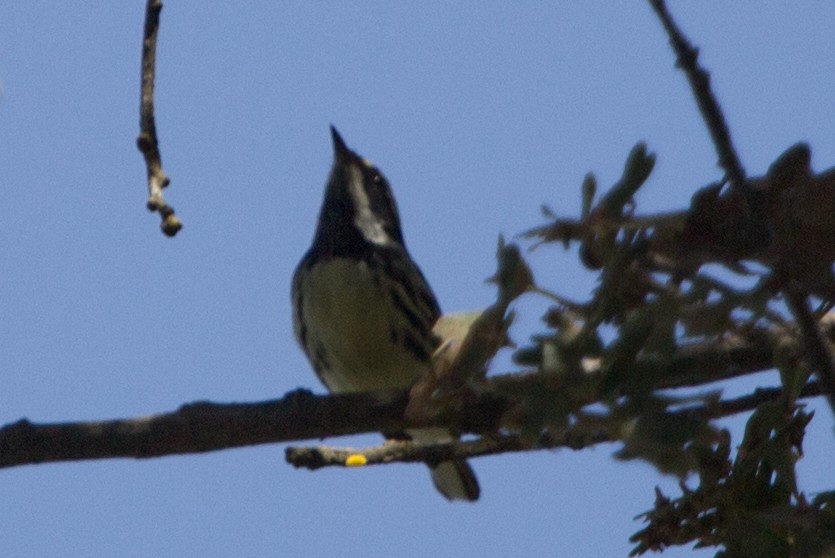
[(454, 479)]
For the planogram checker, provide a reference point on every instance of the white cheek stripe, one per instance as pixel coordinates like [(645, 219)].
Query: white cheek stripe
[(365, 220)]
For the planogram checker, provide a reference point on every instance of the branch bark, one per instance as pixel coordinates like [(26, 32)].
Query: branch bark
[(204, 426), (687, 58), (406, 452), (147, 141), (300, 415)]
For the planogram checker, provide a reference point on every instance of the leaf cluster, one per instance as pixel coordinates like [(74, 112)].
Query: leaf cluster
[(616, 358)]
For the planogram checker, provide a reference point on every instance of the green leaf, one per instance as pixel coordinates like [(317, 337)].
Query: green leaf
[(639, 165)]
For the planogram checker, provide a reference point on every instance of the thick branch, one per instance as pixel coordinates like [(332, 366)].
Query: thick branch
[(147, 140), (203, 426), (198, 427)]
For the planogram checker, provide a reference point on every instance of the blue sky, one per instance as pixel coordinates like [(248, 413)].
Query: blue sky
[(477, 112)]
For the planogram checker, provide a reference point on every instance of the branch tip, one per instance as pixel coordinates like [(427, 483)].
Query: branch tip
[(147, 141)]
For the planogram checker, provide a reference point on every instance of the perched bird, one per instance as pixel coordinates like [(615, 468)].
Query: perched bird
[(362, 310)]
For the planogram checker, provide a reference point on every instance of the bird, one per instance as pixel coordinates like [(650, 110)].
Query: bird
[(362, 310)]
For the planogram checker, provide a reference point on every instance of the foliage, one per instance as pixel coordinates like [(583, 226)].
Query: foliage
[(652, 305)]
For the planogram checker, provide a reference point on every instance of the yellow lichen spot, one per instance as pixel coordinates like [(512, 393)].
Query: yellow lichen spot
[(356, 460)]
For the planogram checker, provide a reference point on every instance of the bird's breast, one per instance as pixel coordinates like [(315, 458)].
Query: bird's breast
[(354, 331)]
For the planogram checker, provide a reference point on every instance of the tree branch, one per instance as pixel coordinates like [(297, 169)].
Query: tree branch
[(406, 452), (590, 431), (687, 59), (203, 426), (817, 350), (147, 141)]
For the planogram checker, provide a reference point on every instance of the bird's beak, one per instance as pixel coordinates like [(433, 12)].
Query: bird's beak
[(340, 150)]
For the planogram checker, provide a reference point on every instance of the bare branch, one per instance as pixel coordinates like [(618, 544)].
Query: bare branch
[(204, 426), (197, 427), (406, 452), (147, 140), (687, 59)]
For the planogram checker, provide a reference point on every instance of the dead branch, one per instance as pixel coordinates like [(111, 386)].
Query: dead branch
[(147, 140)]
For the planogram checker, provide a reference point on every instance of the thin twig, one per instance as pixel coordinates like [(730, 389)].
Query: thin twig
[(745, 403), (687, 59), (316, 457), (817, 348), (147, 140)]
